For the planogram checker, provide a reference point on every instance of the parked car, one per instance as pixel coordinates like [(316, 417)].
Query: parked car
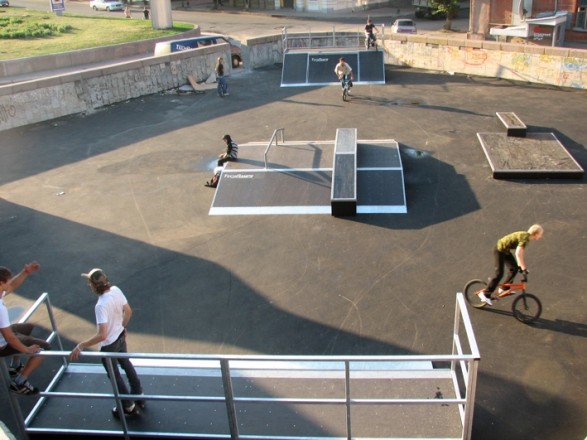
[(106, 5), (4, 3), (403, 26), (207, 40)]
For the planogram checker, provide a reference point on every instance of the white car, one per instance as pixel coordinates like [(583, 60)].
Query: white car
[(403, 26), (106, 5)]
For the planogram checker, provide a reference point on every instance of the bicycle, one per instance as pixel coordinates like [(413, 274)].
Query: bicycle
[(526, 307), (345, 87)]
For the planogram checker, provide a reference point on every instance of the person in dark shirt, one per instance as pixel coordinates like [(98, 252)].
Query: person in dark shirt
[(231, 151), (222, 84), (370, 30)]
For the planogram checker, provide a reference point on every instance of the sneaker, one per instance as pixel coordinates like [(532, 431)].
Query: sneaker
[(128, 412), (349, 92), (140, 403), (501, 291), (484, 299), (15, 371), (25, 389), (226, 94)]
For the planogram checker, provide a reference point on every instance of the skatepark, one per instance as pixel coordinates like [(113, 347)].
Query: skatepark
[(122, 189)]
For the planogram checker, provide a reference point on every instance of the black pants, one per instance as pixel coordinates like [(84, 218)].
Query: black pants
[(119, 346), (500, 259)]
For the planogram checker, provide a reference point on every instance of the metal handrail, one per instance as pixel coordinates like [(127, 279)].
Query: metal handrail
[(274, 138), (339, 367)]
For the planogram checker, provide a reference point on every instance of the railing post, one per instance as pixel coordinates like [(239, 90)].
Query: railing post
[(14, 405), (229, 398), (347, 379), (110, 368)]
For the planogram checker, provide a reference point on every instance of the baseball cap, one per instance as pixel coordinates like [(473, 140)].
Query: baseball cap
[(96, 276)]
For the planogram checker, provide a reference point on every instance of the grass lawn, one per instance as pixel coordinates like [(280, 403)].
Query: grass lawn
[(27, 33)]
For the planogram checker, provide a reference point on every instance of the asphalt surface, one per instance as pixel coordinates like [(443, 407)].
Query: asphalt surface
[(122, 189)]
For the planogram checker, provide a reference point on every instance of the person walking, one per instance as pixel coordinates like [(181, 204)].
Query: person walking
[(222, 84), (113, 313), (16, 339), (502, 256)]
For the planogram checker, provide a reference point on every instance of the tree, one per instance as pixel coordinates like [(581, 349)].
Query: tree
[(448, 8)]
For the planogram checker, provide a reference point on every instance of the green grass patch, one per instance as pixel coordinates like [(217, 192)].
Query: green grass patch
[(27, 33)]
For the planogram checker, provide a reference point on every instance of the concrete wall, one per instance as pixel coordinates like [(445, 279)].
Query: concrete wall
[(557, 66), (23, 66), (84, 91)]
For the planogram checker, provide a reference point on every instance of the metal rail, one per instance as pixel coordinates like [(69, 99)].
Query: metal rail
[(463, 370), (274, 138), (336, 39)]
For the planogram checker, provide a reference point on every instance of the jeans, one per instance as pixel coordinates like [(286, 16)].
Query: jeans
[(119, 346), (222, 85)]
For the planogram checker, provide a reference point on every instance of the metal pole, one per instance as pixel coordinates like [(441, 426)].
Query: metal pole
[(119, 404), (229, 399), (16, 412), (347, 379)]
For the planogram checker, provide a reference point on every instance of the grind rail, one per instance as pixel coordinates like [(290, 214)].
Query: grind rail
[(274, 139), (349, 370)]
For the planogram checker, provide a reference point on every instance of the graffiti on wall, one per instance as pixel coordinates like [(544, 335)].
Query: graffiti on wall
[(7, 112)]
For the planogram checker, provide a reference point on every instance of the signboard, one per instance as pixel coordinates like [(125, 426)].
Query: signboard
[(57, 6), (542, 34)]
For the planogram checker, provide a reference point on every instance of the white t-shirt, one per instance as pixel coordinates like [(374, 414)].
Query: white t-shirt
[(4, 319), (109, 310)]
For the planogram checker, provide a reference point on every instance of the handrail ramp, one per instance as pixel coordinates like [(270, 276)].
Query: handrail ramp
[(277, 397)]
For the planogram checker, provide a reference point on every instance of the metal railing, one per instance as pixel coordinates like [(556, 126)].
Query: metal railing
[(334, 39), (274, 138), (463, 372)]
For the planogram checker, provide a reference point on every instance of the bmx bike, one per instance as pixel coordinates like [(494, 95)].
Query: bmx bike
[(526, 307), (345, 87)]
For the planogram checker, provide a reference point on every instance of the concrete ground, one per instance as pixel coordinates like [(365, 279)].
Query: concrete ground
[(122, 189)]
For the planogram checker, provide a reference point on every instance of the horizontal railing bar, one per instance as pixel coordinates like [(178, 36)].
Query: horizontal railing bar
[(332, 401), (255, 357), (146, 397)]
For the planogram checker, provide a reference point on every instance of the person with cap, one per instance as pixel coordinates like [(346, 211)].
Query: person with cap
[(16, 338), (231, 151), (113, 313)]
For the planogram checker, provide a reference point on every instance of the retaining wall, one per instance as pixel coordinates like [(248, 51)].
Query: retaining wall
[(22, 66), (84, 91)]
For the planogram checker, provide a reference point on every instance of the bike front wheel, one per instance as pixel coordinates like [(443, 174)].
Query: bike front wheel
[(345, 93), (527, 308), (472, 288)]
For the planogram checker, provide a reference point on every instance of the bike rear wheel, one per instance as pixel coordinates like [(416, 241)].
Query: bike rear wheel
[(527, 308), (345, 93), (471, 289)]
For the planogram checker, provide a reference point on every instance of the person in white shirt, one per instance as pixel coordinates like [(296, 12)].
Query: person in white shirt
[(16, 338), (344, 72), (113, 313)]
